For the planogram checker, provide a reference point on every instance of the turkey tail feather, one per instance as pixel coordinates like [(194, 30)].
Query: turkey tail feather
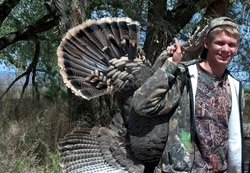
[(87, 51), (98, 149)]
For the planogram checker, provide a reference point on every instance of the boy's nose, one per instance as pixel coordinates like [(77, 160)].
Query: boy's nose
[(225, 47)]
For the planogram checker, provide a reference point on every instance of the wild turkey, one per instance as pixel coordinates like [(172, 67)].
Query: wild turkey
[(102, 57)]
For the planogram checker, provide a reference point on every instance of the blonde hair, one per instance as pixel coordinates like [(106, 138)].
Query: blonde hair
[(229, 30)]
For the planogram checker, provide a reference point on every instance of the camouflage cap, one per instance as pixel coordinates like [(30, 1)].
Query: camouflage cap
[(196, 40), (221, 21)]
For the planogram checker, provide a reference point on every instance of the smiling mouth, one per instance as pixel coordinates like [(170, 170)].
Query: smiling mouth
[(225, 56)]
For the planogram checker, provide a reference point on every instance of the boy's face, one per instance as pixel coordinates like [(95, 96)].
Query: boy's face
[(221, 48)]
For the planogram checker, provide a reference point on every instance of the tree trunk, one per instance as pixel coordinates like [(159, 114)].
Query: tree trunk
[(155, 34), (72, 13)]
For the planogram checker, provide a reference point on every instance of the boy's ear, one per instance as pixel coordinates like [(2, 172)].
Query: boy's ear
[(205, 42), (235, 53)]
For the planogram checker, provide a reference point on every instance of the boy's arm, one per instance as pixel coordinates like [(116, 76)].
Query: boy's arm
[(161, 93)]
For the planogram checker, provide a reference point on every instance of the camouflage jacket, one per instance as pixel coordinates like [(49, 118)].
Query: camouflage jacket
[(171, 92)]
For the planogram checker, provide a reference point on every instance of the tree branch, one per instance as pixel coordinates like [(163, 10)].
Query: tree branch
[(179, 21), (36, 58), (41, 25), (217, 8), (30, 69), (6, 8)]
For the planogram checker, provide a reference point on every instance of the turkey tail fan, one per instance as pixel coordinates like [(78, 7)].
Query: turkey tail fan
[(97, 150), (100, 56)]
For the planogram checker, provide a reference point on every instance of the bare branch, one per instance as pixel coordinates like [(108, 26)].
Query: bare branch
[(25, 83), (6, 8), (41, 25), (30, 69)]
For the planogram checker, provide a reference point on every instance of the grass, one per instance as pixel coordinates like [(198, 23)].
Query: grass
[(30, 129), (29, 134)]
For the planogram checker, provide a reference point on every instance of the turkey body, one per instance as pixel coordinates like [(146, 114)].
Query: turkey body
[(103, 57), (148, 137)]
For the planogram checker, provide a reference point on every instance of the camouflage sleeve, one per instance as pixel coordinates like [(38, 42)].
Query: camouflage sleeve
[(161, 93)]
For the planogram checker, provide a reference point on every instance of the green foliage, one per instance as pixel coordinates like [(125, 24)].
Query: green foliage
[(20, 54), (135, 9), (25, 13), (50, 82), (54, 161), (247, 90)]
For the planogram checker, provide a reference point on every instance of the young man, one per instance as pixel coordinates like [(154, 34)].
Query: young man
[(203, 102)]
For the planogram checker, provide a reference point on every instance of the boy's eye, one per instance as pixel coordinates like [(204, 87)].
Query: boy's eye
[(229, 44), (219, 43), (232, 45)]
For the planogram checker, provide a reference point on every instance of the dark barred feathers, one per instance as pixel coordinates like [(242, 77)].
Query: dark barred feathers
[(99, 150), (101, 56)]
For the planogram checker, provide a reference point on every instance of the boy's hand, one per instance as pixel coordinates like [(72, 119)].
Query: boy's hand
[(176, 52)]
